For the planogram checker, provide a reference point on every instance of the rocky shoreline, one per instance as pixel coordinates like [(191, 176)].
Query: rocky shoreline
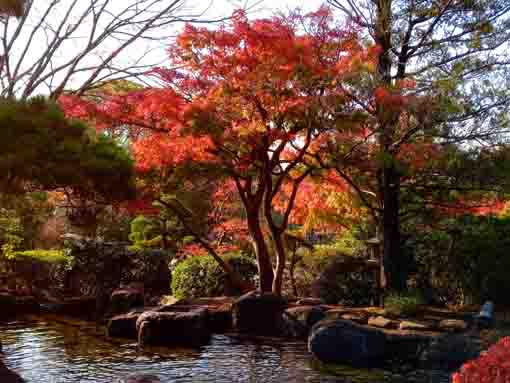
[(361, 337)]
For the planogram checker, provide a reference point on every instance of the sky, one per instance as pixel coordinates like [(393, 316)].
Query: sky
[(146, 52)]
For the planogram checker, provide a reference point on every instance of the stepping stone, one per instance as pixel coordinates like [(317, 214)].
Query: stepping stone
[(382, 322)]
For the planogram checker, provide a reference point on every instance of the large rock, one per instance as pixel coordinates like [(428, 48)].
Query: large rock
[(343, 342), (11, 305), (220, 318), (298, 321), (123, 326), (170, 328), (260, 314), (81, 307), (8, 376), (124, 299)]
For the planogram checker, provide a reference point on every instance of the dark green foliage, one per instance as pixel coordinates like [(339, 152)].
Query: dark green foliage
[(202, 276), (335, 285), (468, 257), (41, 148)]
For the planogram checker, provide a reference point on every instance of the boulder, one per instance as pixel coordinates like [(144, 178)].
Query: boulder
[(140, 379), (11, 305), (297, 321), (220, 318), (382, 322), (123, 326), (8, 376), (344, 342), (124, 299), (257, 313), (171, 328), (453, 325)]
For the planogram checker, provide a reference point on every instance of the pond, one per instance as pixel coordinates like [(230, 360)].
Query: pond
[(44, 350)]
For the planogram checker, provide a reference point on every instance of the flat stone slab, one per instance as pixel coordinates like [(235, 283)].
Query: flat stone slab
[(382, 322), (360, 318), (415, 326), (455, 325)]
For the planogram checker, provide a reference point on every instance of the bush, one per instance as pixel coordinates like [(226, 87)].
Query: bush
[(403, 304), (335, 285), (202, 276), (465, 262), (492, 366)]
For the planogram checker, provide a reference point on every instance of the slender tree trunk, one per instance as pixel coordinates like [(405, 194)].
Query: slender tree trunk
[(292, 269), (263, 259), (389, 179), (394, 265), (281, 256)]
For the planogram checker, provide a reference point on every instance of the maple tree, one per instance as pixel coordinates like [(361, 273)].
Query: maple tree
[(254, 99)]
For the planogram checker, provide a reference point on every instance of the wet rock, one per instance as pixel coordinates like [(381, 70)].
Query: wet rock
[(259, 314), (141, 379), (450, 351), (297, 321), (124, 299), (123, 326), (220, 318), (11, 305), (170, 328), (453, 325), (382, 322), (8, 376), (344, 342)]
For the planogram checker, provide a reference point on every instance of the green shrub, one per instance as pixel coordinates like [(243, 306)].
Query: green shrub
[(403, 304), (335, 285), (465, 262), (47, 256), (202, 276)]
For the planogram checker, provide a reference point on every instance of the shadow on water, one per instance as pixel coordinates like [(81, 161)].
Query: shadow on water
[(44, 350)]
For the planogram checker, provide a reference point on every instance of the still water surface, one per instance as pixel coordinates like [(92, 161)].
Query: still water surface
[(46, 351)]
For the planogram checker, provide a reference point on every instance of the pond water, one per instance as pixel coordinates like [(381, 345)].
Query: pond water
[(45, 350)]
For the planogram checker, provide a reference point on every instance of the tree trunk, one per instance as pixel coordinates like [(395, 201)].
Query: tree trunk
[(389, 177), (281, 256), (261, 252), (395, 265)]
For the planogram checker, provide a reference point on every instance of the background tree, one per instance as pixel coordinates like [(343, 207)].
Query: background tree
[(440, 80)]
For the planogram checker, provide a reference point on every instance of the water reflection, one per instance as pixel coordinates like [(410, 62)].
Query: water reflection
[(44, 351)]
